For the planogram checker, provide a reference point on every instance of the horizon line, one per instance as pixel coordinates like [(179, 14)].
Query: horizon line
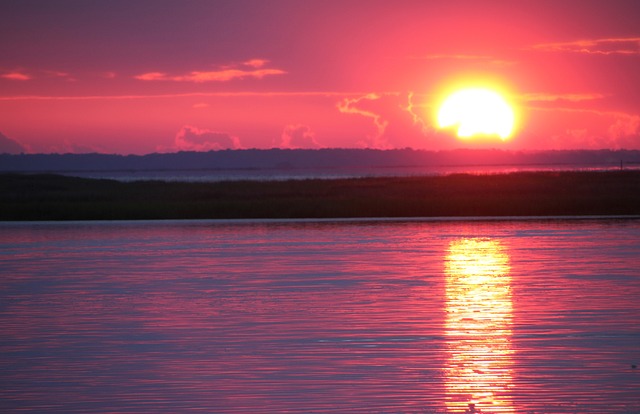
[(493, 149)]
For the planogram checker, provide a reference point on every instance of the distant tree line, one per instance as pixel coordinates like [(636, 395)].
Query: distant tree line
[(300, 159)]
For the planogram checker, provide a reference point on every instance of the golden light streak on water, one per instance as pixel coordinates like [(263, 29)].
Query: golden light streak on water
[(478, 375)]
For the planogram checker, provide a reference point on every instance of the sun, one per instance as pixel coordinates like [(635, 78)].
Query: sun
[(477, 112)]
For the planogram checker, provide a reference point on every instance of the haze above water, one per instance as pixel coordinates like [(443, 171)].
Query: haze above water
[(364, 317)]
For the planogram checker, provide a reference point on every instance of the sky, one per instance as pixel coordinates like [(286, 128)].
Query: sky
[(136, 77)]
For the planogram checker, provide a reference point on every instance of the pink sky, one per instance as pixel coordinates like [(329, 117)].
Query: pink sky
[(158, 75)]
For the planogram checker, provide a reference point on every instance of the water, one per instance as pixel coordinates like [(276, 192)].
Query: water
[(535, 316)]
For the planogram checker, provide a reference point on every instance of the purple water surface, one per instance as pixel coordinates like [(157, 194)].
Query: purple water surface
[(534, 316)]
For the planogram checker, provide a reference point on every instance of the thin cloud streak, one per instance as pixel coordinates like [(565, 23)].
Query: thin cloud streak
[(607, 46), (16, 76), (256, 63), (567, 97), (22, 76), (253, 68), (465, 57)]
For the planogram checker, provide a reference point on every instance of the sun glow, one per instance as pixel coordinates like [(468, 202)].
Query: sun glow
[(477, 112)]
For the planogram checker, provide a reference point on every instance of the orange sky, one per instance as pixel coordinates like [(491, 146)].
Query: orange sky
[(158, 75)]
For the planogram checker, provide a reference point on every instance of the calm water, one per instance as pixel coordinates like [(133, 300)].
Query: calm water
[(314, 317)]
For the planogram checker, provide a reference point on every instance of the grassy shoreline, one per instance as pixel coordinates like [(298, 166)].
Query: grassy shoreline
[(577, 193)]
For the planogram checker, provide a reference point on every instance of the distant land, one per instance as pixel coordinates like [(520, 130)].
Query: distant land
[(310, 159)]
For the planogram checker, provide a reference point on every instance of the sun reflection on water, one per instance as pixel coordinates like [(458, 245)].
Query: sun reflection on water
[(478, 327)]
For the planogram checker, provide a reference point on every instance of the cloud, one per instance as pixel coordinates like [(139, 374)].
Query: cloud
[(624, 133), (566, 102), (298, 136), (249, 69), (212, 76), (417, 112), (359, 106), (606, 46), (397, 120), (58, 74), (10, 146), (256, 63), (464, 57), (455, 57), (604, 129), (19, 76), (152, 76), (566, 97), (191, 138)]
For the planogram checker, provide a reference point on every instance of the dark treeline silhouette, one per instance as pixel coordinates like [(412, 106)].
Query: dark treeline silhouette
[(300, 159)]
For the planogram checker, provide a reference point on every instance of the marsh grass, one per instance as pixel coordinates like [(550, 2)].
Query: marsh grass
[(55, 197)]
